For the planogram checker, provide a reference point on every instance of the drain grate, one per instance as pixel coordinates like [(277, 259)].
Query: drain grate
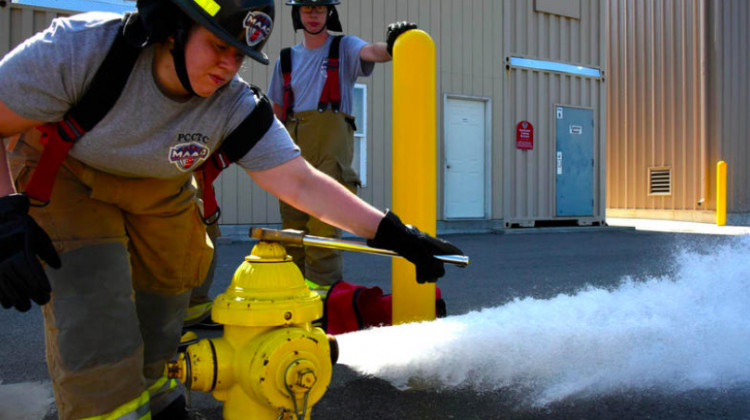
[(660, 181)]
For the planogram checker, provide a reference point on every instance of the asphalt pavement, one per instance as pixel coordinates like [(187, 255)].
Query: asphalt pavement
[(508, 265)]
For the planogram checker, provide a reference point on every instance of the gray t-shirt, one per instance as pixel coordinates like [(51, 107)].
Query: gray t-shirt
[(309, 74), (145, 134)]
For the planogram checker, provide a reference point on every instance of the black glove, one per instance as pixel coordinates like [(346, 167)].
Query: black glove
[(394, 30), (21, 240), (417, 247)]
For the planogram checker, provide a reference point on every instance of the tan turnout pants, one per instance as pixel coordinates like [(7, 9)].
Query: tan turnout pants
[(131, 250), (326, 141)]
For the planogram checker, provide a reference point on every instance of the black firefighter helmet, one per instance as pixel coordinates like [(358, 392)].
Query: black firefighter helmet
[(243, 24), (332, 22)]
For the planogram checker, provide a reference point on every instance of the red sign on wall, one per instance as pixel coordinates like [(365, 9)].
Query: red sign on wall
[(524, 135)]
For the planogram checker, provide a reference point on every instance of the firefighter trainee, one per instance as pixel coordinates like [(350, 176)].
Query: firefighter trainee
[(99, 224), (311, 88)]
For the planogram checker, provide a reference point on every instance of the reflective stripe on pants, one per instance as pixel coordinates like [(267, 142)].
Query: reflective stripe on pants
[(138, 409)]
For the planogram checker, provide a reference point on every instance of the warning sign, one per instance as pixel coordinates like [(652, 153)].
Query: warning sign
[(524, 135)]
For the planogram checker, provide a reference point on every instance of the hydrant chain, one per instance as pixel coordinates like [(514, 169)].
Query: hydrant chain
[(300, 380), (300, 416)]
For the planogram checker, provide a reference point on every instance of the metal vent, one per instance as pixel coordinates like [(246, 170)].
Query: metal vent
[(660, 181)]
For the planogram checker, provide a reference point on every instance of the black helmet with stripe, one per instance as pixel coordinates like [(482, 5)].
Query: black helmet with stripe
[(332, 22), (243, 24)]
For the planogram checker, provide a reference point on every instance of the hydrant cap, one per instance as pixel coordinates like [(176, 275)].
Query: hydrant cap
[(267, 290)]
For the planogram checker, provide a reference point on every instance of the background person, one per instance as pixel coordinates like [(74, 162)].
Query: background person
[(311, 88)]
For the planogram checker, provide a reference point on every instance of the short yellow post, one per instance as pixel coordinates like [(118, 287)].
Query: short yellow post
[(721, 193), (414, 165)]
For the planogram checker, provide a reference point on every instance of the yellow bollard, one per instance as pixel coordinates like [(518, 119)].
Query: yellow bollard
[(414, 165), (721, 193)]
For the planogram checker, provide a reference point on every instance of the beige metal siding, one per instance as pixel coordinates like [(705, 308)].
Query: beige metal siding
[(473, 38), (528, 178), (18, 22), (678, 98), (730, 99), (654, 103)]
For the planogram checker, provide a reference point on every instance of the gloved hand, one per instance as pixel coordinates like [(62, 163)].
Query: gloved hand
[(417, 247), (394, 30), (21, 240)]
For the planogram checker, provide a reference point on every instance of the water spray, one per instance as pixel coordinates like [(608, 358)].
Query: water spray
[(688, 331)]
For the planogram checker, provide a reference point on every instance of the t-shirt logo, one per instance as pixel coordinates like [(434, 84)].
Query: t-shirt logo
[(258, 27), (188, 155)]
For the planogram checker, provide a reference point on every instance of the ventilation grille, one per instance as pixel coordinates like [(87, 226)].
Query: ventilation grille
[(659, 181)]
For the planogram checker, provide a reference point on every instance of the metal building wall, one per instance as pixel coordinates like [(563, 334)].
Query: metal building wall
[(18, 22), (678, 99), (473, 39), (655, 103), (528, 178), (729, 93)]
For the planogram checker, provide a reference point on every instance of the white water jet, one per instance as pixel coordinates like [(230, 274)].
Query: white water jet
[(26, 400), (688, 331)]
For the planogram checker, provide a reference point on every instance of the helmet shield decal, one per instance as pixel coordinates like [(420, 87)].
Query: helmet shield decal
[(258, 26), (243, 24)]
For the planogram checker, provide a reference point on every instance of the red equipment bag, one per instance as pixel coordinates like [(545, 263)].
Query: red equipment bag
[(350, 307)]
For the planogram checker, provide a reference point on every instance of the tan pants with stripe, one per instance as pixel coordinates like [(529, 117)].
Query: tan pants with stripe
[(131, 250), (326, 142)]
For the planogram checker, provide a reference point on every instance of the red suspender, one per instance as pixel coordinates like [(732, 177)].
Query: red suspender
[(331, 90), (286, 71), (101, 95), (55, 151), (234, 147)]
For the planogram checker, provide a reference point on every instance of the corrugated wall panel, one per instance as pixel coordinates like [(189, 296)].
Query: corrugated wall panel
[(553, 37), (18, 22), (732, 73), (659, 112), (528, 176)]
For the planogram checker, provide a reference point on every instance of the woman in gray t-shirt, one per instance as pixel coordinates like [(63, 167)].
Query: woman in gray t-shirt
[(122, 235)]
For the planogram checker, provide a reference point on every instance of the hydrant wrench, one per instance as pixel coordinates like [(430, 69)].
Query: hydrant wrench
[(298, 238)]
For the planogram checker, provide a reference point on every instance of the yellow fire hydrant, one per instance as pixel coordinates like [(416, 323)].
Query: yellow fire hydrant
[(271, 363)]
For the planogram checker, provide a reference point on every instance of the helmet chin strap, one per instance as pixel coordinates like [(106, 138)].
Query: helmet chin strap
[(304, 28), (178, 56)]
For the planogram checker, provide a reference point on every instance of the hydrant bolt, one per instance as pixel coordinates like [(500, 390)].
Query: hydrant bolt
[(306, 379)]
